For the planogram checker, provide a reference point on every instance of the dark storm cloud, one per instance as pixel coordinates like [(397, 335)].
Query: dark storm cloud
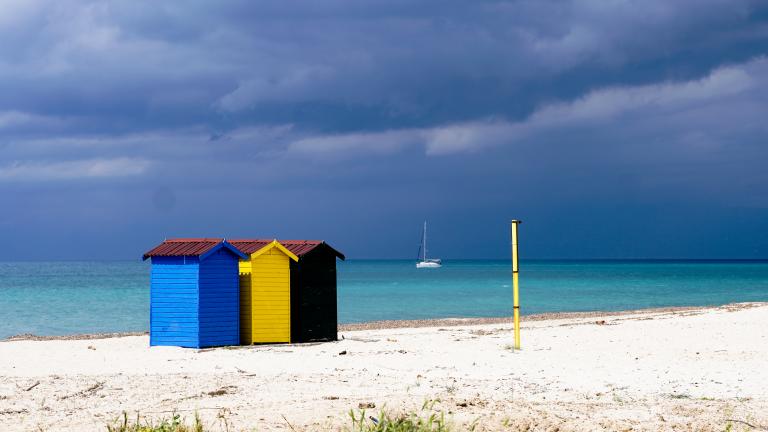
[(131, 62), (379, 113)]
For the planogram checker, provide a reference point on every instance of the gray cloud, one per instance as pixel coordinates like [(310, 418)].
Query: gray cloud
[(725, 90), (353, 109), (90, 168), (185, 62)]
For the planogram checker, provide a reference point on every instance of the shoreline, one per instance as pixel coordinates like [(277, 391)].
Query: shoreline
[(431, 322)]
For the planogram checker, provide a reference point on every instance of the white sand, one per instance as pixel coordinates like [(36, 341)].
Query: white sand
[(691, 370)]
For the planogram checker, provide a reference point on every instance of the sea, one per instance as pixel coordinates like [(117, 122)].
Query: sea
[(59, 298)]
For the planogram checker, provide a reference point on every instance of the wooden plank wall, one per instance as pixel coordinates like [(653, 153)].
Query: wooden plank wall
[(246, 309), (266, 300), (313, 298), (219, 300), (174, 300)]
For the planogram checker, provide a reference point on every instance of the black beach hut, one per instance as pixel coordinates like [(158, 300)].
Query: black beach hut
[(314, 311), (314, 308)]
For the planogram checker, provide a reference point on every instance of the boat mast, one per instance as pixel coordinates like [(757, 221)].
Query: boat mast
[(424, 242)]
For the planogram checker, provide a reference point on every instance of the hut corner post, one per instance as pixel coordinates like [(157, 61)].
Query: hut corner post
[(515, 284)]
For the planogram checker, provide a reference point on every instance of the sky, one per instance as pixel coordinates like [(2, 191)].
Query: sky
[(613, 129)]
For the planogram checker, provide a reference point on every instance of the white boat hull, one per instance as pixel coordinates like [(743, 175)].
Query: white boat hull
[(426, 262)]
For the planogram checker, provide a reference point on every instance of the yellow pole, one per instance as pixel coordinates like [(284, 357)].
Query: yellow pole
[(515, 286)]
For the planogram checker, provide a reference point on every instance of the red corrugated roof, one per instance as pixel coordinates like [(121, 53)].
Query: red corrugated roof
[(184, 246), (250, 246), (297, 247), (300, 247)]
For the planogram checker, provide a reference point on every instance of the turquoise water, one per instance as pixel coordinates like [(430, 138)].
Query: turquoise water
[(49, 298)]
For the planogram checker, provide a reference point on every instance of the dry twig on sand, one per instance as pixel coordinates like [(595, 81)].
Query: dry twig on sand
[(758, 427), (288, 423), (92, 389)]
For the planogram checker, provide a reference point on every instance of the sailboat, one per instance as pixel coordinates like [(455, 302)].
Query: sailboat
[(425, 262)]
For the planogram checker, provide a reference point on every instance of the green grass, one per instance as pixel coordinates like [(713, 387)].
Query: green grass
[(425, 421), (385, 422), (175, 424)]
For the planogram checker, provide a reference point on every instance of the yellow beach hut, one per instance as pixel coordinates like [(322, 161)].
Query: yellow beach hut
[(265, 292)]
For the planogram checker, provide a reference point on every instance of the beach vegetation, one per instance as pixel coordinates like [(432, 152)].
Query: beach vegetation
[(386, 422), (174, 424), (426, 420)]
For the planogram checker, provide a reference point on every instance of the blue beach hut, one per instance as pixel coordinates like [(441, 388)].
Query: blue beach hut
[(194, 293)]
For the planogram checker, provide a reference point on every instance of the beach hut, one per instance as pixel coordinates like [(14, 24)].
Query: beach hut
[(314, 310), (265, 292), (311, 293), (194, 293)]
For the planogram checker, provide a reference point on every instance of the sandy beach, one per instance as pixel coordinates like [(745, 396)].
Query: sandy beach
[(673, 369)]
